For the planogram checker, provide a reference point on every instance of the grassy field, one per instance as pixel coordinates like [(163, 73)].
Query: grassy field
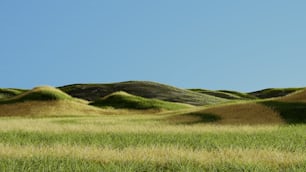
[(45, 129), (135, 142)]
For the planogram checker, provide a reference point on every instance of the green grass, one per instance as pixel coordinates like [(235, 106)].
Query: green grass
[(289, 139), (78, 165), (147, 143), (128, 101)]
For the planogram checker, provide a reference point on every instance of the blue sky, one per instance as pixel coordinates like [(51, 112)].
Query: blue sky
[(239, 45)]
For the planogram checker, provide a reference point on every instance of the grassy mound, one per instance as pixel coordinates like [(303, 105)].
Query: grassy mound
[(45, 93), (127, 101), (144, 89), (45, 101)]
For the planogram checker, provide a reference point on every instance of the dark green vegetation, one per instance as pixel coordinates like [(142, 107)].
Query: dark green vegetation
[(123, 100), (144, 89), (291, 112)]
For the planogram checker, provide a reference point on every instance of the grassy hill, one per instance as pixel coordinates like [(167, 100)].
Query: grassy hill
[(274, 92), (75, 137), (298, 96), (45, 101), (288, 109), (226, 94), (144, 89), (45, 93), (128, 101), (9, 92)]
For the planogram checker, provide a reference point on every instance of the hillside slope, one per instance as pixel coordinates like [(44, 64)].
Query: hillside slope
[(274, 92), (144, 89), (226, 94), (288, 109), (45, 101), (127, 101), (9, 92)]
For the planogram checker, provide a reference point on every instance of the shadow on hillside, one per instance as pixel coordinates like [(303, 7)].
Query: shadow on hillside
[(291, 112), (194, 118)]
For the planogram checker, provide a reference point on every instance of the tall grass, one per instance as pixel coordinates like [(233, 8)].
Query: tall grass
[(146, 143)]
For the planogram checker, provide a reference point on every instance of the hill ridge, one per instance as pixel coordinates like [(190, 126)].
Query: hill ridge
[(146, 89), (123, 100)]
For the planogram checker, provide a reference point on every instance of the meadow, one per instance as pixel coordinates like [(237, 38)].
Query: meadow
[(147, 142)]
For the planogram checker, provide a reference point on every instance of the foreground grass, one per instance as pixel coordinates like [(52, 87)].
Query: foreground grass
[(146, 143)]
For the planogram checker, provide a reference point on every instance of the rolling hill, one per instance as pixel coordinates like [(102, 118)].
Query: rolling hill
[(273, 92), (144, 89), (298, 96), (87, 99), (9, 92), (127, 101), (226, 94), (288, 109), (45, 101)]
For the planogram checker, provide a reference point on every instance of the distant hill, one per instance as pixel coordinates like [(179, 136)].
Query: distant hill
[(274, 92), (298, 96), (226, 94), (144, 89), (127, 101), (269, 106), (10, 92), (288, 109)]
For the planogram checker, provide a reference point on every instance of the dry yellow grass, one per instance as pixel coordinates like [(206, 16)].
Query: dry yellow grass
[(249, 113), (299, 96), (156, 154), (120, 124), (49, 108)]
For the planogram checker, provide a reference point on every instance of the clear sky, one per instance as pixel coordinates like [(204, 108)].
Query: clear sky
[(215, 44)]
